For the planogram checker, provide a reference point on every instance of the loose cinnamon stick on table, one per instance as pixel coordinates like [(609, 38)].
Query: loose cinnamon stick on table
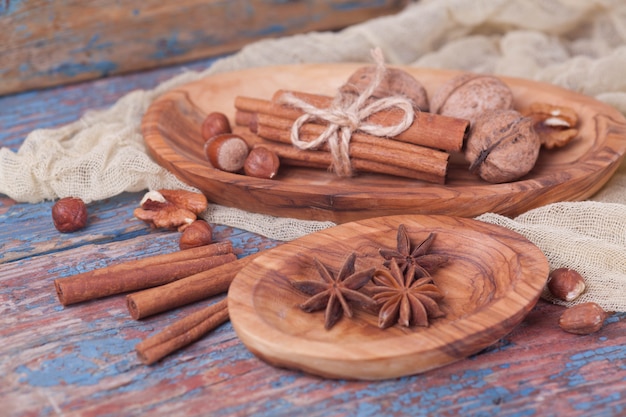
[(182, 333), (143, 273), (428, 129), (185, 290)]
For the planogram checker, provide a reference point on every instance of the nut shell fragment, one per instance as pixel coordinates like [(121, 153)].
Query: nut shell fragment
[(555, 125)]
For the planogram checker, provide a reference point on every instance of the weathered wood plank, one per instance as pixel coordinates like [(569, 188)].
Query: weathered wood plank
[(45, 43), (80, 360)]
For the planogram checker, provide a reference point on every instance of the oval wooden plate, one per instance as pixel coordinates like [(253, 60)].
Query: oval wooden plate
[(492, 280), (171, 129)]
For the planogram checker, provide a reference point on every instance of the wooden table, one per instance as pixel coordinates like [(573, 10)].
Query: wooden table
[(80, 360)]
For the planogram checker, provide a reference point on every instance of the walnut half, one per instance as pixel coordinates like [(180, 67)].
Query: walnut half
[(171, 209), (555, 125)]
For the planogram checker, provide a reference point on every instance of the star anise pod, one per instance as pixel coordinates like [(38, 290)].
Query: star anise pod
[(336, 293), (405, 299), (425, 264)]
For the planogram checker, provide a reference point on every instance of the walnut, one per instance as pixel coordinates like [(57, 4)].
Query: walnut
[(555, 125), (469, 95), (396, 82), (171, 209), (502, 146)]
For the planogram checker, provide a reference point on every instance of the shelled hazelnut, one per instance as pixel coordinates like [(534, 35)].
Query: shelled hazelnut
[(227, 152), (502, 146), (69, 214), (585, 318), (198, 233), (214, 124), (469, 95), (566, 284), (261, 163)]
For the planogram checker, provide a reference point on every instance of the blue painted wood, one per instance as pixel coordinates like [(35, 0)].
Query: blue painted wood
[(45, 43), (80, 360)]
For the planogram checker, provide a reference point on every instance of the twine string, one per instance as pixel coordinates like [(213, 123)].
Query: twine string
[(347, 114)]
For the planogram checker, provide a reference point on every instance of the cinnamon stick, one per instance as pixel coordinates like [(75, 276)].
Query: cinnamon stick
[(434, 167), (140, 274), (182, 332), (428, 129), (290, 155), (267, 120), (186, 290)]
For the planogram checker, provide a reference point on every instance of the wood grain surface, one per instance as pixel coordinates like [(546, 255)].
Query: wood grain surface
[(492, 279), (47, 43), (80, 361), (172, 124)]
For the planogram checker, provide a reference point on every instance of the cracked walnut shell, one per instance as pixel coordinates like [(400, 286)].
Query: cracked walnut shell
[(502, 146), (555, 125)]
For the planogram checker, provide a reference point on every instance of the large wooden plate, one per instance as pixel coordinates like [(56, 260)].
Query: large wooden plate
[(171, 129), (492, 280)]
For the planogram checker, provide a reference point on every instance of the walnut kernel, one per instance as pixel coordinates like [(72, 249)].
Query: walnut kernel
[(555, 125), (171, 209)]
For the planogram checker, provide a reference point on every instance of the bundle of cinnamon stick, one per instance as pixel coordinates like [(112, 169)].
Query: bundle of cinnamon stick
[(420, 152), (162, 283)]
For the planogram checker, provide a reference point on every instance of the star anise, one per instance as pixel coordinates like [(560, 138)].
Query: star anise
[(336, 293), (425, 264), (405, 299)]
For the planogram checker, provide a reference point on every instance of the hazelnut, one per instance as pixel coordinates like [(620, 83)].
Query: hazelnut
[(226, 152), (585, 318), (198, 233), (69, 214), (566, 284), (502, 146), (396, 82), (261, 163), (468, 95), (214, 124)]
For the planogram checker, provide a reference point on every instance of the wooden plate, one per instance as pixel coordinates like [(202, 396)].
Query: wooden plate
[(492, 280), (171, 129)]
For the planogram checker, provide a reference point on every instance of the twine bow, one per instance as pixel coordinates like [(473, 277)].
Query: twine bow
[(348, 114)]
